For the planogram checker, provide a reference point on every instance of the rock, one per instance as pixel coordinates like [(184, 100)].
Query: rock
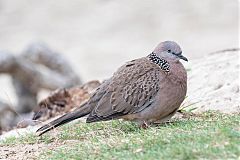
[(214, 82)]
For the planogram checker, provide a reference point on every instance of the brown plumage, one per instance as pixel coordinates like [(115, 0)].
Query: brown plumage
[(144, 90)]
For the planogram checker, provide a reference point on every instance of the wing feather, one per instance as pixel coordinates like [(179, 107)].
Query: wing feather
[(131, 89)]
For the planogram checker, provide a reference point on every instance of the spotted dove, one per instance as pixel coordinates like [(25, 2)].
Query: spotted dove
[(143, 90)]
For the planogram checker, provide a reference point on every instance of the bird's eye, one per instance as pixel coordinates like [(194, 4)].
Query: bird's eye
[(169, 51)]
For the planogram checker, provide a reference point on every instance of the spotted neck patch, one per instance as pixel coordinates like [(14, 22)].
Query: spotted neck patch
[(163, 64)]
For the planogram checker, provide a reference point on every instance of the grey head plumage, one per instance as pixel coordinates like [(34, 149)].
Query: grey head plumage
[(169, 50), (164, 52)]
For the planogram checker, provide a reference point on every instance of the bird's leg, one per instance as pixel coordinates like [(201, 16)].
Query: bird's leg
[(144, 125)]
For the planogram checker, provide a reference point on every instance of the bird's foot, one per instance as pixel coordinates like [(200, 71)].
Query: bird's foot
[(144, 125)]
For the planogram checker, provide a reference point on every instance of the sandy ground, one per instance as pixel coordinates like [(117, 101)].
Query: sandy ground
[(22, 151), (30, 151)]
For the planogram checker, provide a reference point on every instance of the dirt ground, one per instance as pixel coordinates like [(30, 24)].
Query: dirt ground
[(21, 151), (29, 151)]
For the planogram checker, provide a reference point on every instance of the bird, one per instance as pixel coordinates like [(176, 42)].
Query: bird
[(144, 90)]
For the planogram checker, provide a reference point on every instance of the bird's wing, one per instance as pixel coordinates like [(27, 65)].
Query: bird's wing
[(131, 89)]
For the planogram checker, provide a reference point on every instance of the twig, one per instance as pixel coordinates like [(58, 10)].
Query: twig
[(226, 50)]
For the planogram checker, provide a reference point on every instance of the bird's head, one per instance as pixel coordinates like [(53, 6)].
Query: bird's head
[(169, 50)]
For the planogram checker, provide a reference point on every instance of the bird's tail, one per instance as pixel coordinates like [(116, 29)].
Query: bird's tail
[(82, 111)]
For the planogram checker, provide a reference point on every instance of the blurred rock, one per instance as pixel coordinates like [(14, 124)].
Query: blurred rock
[(7, 117), (36, 68), (10, 119)]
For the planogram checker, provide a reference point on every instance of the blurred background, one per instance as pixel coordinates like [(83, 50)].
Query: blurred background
[(98, 36)]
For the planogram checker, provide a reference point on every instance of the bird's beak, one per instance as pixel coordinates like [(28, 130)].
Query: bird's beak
[(182, 57)]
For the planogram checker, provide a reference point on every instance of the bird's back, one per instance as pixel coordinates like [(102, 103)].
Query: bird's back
[(131, 89)]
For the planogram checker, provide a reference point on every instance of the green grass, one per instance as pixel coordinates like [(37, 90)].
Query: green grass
[(209, 135)]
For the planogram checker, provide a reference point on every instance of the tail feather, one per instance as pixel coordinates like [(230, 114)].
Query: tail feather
[(82, 111)]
